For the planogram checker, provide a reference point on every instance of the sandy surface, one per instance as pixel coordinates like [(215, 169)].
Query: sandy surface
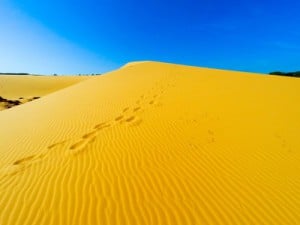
[(19, 89), (153, 143)]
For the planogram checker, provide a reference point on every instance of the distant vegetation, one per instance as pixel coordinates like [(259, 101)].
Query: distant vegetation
[(9, 103), (14, 74), (289, 74), (90, 74)]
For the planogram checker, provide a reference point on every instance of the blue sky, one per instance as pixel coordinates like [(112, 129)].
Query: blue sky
[(64, 36)]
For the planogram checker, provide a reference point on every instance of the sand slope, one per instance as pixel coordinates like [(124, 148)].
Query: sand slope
[(15, 86), (155, 143), (25, 88)]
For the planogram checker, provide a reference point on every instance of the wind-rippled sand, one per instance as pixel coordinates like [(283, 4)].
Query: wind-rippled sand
[(153, 143)]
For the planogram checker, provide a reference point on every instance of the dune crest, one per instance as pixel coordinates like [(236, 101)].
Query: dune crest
[(154, 143)]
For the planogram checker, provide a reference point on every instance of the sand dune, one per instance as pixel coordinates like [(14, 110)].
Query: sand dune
[(20, 89), (153, 143)]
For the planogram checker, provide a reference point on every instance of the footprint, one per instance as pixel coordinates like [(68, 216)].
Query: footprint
[(56, 144), (119, 118), (81, 145), (101, 126), (136, 122), (24, 160), (89, 135), (28, 160), (20, 165), (130, 119), (151, 102), (93, 139), (105, 126), (136, 109), (78, 145), (8, 170), (125, 110)]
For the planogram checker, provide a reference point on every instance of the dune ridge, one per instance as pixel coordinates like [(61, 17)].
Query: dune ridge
[(154, 143)]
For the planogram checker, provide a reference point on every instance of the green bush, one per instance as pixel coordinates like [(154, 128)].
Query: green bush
[(289, 74)]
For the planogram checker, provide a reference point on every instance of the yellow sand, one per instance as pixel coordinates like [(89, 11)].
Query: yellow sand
[(154, 143), (26, 86)]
